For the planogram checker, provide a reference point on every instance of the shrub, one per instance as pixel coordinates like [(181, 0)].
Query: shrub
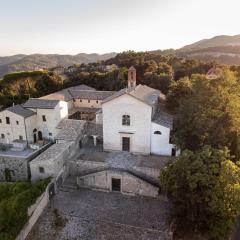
[(15, 198), (204, 188)]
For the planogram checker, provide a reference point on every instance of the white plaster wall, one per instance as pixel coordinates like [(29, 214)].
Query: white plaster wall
[(13, 130), (53, 117), (85, 103), (70, 104), (140, 117), (160, 143), (31, 123)]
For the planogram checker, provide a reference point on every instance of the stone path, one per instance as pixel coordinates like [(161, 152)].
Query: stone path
[(90, 215), (122, 160)]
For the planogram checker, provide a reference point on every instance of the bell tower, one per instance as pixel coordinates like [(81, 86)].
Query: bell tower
[(132, 77)]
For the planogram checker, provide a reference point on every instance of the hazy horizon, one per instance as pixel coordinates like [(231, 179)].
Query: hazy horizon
[(76, 26)]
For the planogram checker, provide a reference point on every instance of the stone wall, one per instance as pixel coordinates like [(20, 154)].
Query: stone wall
[(18, 167), (129, 184)]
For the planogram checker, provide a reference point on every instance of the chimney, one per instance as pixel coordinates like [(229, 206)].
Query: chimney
[(132, 77)]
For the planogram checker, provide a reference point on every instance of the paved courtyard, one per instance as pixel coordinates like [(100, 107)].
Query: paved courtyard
[(92, 215), (123, 160)]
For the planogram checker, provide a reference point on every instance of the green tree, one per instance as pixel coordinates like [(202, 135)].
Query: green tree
[(210, 115), (178, 90), (204, 189)]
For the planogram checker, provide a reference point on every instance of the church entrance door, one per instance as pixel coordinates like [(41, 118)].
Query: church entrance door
[(126, 144)]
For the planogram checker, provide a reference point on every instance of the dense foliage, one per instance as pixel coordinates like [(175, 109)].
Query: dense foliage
[(156, 69), (204, 182), (204, 187), (15, 198), (207, 111), (18, 87)]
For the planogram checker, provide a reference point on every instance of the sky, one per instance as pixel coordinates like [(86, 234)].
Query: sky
[(102, 26)]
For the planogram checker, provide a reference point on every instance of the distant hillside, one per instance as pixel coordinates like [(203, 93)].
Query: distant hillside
[(222, 40), (22, 62), (222, 49)]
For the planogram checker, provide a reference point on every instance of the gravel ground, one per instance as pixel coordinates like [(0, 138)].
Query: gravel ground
[(92, 215)]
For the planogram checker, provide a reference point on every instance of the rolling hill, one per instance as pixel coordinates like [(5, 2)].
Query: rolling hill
[(23, 62), (222, 49)]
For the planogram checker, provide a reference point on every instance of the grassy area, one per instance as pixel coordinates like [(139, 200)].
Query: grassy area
[(15, 198)]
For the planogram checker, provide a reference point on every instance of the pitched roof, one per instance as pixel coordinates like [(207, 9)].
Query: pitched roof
[(163, 117), (141, 92), (65, 94), (40, 103), (91, 95), (19, 110), (51, 153), (70, 129), (212, 73)]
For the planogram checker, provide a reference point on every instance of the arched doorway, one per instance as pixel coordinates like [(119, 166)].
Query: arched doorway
[(35, 135), (40, 135)]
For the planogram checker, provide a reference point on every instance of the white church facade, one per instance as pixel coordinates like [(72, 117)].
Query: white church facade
[(135, 120)]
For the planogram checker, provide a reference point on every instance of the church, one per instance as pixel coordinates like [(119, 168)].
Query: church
[(135, 119)]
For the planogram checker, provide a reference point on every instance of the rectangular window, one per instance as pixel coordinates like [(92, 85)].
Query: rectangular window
[(17, 122), (88, 101), (44, 118), (0, 120), (126, 120), (50, 134), (96, 101), (80, 100), (2, 136), (21, 137), (7, 120), (41, 170)]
